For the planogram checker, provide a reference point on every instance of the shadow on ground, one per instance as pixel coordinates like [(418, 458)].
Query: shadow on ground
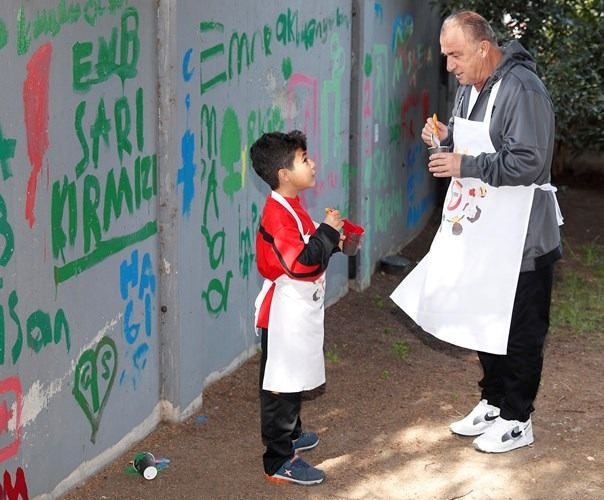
[(383, 415)]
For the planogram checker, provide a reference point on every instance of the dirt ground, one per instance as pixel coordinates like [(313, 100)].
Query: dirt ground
[(383, 416)]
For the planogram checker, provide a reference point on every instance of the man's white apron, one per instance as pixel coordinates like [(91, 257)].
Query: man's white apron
[(295, 360), (463, 290)]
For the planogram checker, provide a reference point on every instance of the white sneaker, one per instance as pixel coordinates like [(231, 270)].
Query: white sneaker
[(477, 421), (505, 435)]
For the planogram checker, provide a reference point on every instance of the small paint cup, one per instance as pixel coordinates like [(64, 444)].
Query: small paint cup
[(353, 234), (437, 149), (145, 465)]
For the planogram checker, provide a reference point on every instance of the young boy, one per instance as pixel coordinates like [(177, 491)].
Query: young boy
[(292, 253)]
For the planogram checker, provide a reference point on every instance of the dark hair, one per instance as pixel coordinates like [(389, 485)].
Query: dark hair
[(472, 24), (274, 151)]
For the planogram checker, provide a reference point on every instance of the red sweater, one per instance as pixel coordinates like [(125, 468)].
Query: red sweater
[(280, 248)]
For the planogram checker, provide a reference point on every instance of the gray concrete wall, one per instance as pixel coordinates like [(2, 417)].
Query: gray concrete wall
[(79, 335), (395, 86), (128, 205), (240, 71)]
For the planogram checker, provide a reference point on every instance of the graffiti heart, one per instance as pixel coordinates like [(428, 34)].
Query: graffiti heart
[(94, 375)]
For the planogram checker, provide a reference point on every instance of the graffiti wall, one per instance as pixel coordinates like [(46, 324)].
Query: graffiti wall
[(128, 205), (240, 72), (396, 83), (78, 219)]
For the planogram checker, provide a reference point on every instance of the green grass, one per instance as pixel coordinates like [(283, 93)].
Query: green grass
[(578, 295), (331, 355), (400, 349)]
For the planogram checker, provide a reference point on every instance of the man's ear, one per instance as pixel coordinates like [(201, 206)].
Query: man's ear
[(484, 48)]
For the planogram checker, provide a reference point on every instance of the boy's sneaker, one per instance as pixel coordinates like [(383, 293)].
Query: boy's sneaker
[(505, 435), (297, 471), (306, 441), (477, 421)]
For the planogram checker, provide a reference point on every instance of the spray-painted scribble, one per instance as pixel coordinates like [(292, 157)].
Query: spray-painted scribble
[(261, 121), (16, 491), (186, 173), (216, 293), (11, 405), (105, 129), (50, 20), (3, 34), (94, 375), (208, 54), (35, 105), (85, 210), (289, 29), (7, 248), (230, 152), (247, 254), (117, 55), (7, 152), (40, 330), (331, 103), (137, 277), (402, 29)]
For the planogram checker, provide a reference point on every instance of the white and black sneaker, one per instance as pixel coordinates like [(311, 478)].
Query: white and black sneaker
[(477, 421), (505, 435)]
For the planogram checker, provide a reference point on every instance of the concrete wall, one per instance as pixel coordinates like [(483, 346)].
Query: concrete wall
[(128, 206), (396, 84), (238, 72)]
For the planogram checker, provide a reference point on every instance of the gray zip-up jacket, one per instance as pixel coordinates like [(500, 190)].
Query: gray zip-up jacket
[(522, 132)]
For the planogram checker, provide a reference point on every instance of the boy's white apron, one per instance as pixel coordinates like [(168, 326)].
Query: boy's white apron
[(463, 290), (295, 360)]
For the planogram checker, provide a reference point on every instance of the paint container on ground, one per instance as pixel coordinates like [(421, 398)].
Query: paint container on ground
[(145, 465)]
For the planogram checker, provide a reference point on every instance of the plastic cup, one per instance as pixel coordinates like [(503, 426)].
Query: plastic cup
[(353, 234), (437, 149), (144, 463)]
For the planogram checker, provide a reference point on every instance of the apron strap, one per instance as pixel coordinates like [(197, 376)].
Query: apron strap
[(280, 199), (491, 101), (553, 189)]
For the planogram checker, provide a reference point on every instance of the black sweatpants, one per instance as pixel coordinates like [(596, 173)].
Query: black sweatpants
[(280, 421), (511, 381)]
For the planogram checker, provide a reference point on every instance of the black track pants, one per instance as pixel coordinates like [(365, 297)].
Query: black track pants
[(511, 381), (279, 420)]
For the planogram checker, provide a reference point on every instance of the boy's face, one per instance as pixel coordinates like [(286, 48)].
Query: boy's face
[(302, 175)]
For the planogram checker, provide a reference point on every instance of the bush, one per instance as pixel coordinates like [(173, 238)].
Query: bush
[(565, 38)]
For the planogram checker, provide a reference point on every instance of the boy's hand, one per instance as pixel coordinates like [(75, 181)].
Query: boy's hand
[(333, 218)]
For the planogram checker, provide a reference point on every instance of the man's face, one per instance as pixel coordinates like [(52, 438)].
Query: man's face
[(465, 59)]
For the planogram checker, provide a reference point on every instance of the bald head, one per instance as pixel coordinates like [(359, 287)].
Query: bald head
[(473, 25), (468, 42)]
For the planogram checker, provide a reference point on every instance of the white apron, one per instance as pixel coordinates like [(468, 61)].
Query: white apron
[(295, 360), (463, 290)]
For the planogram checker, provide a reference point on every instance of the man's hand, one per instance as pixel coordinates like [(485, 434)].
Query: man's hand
[(441, 131), (445, 165)]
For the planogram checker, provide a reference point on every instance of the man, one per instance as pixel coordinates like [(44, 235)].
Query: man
[(486, 282)]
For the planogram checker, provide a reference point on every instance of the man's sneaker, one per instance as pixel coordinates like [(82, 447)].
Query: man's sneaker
[(306, 441), (297, 471), (477, 421), (505, 435)]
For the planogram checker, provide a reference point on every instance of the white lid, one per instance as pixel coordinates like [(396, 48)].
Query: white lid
[(150, 472)]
